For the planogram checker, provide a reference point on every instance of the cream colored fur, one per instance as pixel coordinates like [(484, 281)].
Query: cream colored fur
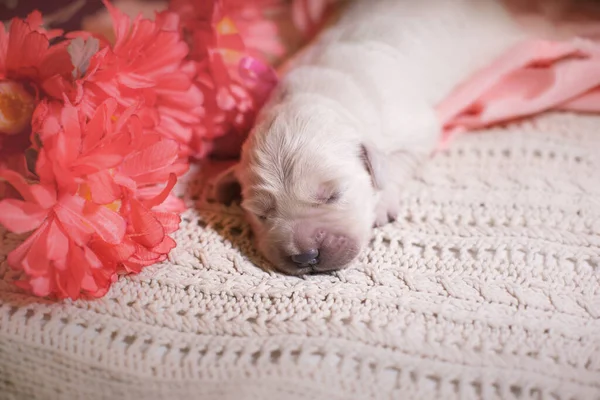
[(367, 86)]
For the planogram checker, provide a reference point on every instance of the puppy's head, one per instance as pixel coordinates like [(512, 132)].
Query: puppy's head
[(308, 183)]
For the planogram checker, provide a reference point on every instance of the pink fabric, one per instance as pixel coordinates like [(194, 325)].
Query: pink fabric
[(532, 77)]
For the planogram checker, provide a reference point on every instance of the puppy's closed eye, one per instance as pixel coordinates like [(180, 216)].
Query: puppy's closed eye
[(328, 194), (333, 198), (264, 215), (259, 203)]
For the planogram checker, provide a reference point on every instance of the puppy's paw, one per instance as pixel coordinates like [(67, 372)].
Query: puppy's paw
[(388, 206), (403, 164)]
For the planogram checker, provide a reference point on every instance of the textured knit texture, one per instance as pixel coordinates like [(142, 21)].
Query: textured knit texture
[(488, 287)]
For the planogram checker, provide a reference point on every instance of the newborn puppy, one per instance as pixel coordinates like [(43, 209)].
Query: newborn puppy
[(353, 115)]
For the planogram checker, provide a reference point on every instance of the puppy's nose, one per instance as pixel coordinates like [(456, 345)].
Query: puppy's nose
[(308, 258)]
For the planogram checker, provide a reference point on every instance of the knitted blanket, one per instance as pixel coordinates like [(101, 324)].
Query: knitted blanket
[(487, 287)]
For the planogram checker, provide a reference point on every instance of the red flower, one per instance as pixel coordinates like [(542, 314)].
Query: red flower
[(260, 35), (104, 155), (147, 239), (56, 257), (146, 66), (232, 96), (28, 67), (235, 24), (77, 151), (96, 209), (35, 22), (26, 54), (308, 15)]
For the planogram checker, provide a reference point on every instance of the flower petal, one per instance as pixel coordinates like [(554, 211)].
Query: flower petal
[(170, 221), (57, 247), (97, 125), (85, 217), (19, 217), (96, 162), (151, 158), (40, 286), (162, 196), (25, 47), (121, 23), (136, 81), (36, 262), (43, 195), (149, 232), (113, 254), (15, 258), (102, 188), (165, 246)]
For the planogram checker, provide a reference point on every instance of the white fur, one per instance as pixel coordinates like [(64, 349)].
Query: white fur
[(389, 62), (373, 78)]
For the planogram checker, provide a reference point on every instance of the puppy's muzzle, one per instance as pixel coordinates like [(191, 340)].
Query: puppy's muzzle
[(318, 249)]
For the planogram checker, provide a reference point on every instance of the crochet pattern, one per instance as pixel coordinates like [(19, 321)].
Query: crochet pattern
[(487, 287)]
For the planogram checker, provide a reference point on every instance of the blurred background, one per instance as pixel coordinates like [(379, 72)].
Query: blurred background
[(75, 14)]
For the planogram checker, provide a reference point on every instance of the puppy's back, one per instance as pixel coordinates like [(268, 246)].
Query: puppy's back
[(389, 62)]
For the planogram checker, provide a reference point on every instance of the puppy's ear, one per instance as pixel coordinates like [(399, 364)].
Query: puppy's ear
[(226, 187), (376, 165)]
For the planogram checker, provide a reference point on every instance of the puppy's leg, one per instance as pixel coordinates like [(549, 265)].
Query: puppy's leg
[(401, 166), (388, 173)]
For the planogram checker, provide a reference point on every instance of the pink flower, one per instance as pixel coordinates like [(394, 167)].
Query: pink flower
[(29, 67), (99, 132), (261, 35), (103, 155), (146, 66), (26, 54), (235, 24), (309, 15), (78, 151), (16, 108), (96, 210), (56, 258), (231, 96), (147, 239), (105, 158)]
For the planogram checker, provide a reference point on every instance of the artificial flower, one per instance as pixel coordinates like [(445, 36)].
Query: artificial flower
[(147, 66), (240, 24), (148, 229), (26, 54), (56, 259), (309, 15), (87, 202), (147, 239), (231, 99), (77, 150), (29, 67)]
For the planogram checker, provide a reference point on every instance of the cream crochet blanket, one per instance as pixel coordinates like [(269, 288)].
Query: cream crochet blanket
[(487, 287)]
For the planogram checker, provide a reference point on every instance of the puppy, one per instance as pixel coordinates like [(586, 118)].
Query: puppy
[(352, 117)]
